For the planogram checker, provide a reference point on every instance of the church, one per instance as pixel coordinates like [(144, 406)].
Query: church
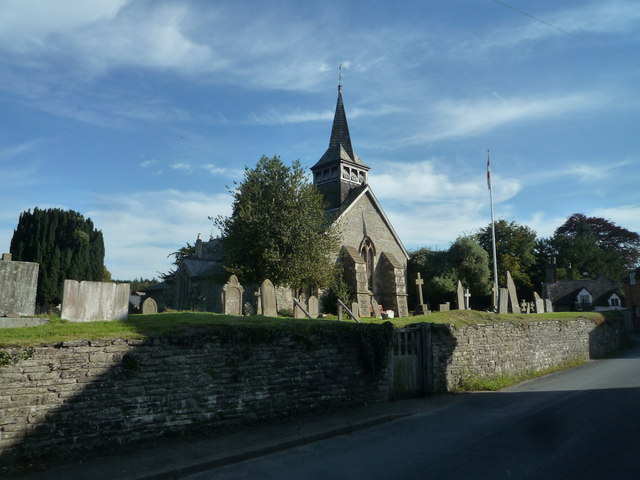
[(373, 256)]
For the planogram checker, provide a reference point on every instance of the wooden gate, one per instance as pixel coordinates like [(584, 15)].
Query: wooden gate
[(411, 361)]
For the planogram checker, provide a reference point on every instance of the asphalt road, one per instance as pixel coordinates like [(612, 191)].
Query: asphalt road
[(578, 424)]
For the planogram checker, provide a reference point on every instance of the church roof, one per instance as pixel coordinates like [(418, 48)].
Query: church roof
[(340, 148), (354, 196)]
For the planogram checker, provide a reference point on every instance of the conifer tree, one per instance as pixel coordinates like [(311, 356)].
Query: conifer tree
[(64, 243)]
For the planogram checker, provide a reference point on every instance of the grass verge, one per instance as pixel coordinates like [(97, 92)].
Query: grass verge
[(474, 383)]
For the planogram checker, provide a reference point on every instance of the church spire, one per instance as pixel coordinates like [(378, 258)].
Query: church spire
[(340, 170)]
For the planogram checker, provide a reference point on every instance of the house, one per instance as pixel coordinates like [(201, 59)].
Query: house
[(599, 294)]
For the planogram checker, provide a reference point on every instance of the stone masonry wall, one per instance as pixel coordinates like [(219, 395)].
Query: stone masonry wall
[(69, 399), (505, 347)]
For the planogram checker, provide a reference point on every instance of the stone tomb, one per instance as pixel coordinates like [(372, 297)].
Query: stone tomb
[(268, 299), (94, 301), (149, 306), (232, 297)]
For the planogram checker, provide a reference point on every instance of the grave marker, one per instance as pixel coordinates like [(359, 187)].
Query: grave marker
[(149, 306), (232, 297), (268, 299)]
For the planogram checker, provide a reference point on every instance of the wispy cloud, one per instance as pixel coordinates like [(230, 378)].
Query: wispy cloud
[(473, 117), (141, 229), (8, 152)]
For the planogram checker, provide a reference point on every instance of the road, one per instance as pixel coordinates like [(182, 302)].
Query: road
[(583, 423)]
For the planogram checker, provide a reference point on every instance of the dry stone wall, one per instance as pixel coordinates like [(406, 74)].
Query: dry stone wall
[(76, 397), (507, 348)]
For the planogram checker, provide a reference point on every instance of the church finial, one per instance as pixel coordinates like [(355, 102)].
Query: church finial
[(340, 78)]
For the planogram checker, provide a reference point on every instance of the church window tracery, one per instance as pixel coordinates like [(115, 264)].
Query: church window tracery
[(368, 253)]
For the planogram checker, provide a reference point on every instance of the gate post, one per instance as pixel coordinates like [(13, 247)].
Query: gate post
[(426, 357)]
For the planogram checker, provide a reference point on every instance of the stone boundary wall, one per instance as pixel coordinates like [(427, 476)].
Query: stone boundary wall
[(94, 301), (77, 397), (506, 347)]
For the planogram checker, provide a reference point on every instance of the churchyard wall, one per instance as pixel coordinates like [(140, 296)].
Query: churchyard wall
[(66, 400), (510, 348)]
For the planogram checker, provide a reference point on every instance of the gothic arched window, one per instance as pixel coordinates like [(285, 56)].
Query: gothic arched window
[(368, 253)]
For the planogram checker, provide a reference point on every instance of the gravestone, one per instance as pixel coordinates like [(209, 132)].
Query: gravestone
[(355, 309), (376, 308), (548, 306), (232, 297), (422, 308), (467, 299), (460, 296), (313, 306), (94, 301), (445, 307), (538, 303), (513, 296), (149, 306), (268, 299), (297, 311), (18, 286), (503, 301)]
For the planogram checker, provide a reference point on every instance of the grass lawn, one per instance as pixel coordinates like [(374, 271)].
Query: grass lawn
[(143, 326)]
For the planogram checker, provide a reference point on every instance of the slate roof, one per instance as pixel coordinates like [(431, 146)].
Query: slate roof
[(565, 292), (340, 148), (200, 267)]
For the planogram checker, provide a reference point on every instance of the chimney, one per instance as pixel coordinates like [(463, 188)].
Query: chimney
[(199, 247), (569, 272), (550, 271)]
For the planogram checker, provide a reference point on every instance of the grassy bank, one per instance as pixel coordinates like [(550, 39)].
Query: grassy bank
[(144, 326)]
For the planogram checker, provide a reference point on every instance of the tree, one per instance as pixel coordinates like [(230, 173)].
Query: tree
[(465, 261), (514, 251), (178, 257), (278, 228), (596, 246), (64, 243)]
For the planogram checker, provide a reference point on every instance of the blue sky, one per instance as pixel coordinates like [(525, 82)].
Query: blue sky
[(138, 113)]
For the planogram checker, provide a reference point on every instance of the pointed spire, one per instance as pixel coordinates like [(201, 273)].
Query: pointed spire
[(340, 131)]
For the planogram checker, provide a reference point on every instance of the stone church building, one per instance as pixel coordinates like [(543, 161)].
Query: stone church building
[(373, 257)]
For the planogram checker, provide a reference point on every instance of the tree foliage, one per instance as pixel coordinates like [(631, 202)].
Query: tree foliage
[(64, 243), (465, 261), (278, 229), (514, 250), (595, 246)]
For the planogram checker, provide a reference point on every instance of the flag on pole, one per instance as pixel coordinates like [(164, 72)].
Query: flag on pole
[(488, 171)]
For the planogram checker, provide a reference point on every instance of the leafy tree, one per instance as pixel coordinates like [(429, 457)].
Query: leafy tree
[(595, 246), (465, 261), (514, 251), (64, 243), (278, 229), (178, 257)]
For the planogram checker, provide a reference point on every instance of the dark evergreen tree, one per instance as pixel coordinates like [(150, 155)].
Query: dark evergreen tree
[(64, 243)]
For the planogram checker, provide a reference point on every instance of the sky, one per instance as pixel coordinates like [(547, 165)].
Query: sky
[(140, 114)]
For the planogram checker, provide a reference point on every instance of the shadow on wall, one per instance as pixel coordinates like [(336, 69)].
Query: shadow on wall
[(78, 397), (607, 337)]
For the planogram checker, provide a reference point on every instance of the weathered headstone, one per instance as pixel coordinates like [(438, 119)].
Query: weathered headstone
[(548, 306), (18, 286), (149, 306), (313, 306), (513, 296), (422, 308), (94, 301), (538, 302), (232, 297), (298, 311), (503, 301), (376, 308), (355, 309), (445, 307), (268, 299), (460, 296)]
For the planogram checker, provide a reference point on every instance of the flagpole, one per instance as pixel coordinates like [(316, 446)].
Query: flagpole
[(493, 237)]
